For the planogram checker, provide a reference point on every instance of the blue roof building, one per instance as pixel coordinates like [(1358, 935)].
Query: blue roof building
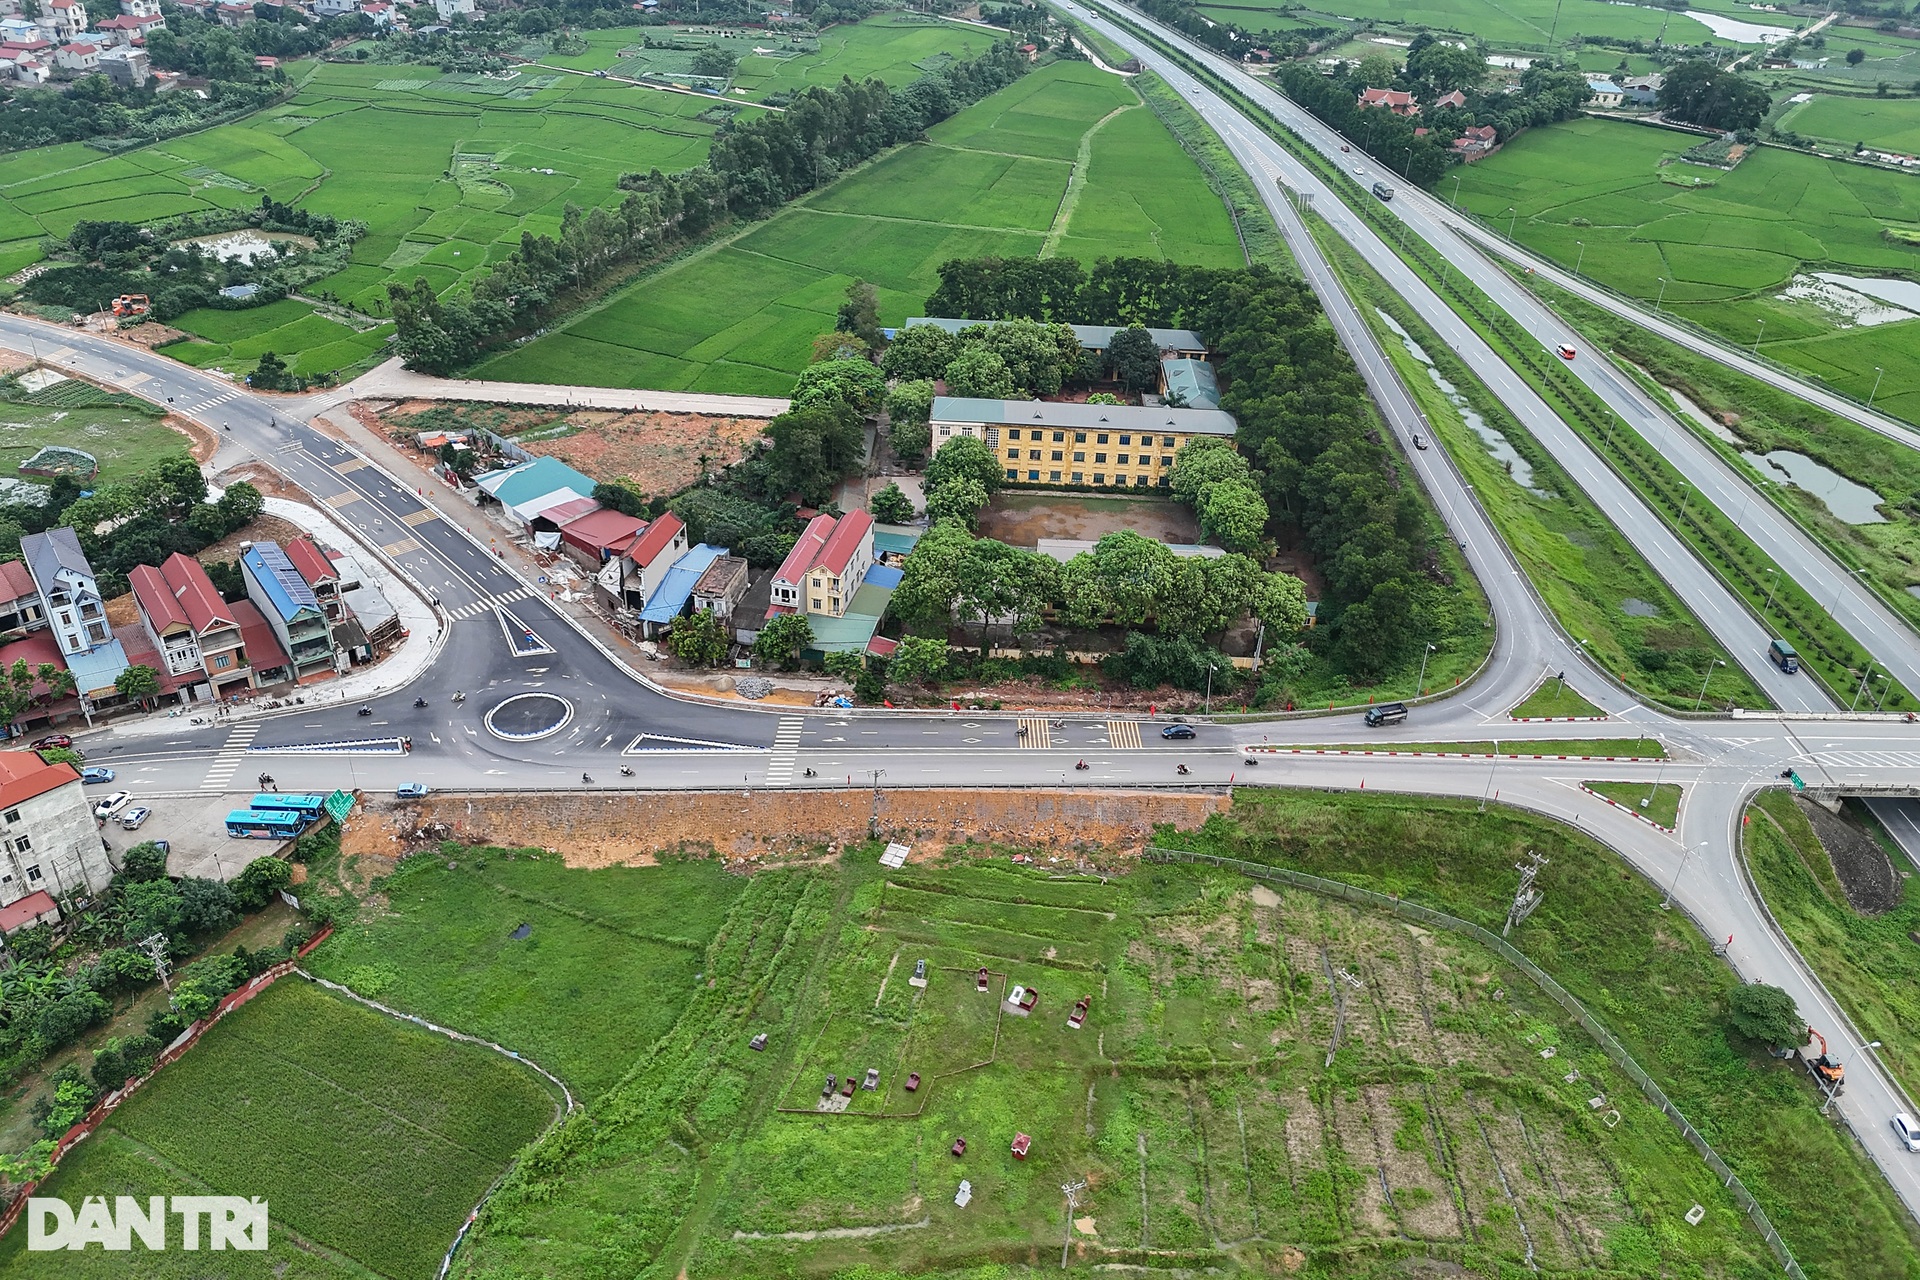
[(669, 599), (519, 485), (1189, 383), (283, 597)]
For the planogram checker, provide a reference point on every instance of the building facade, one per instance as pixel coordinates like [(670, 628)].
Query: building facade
[(826, 567), (49, 842), (283, 597), (194, 630), (1108, 446)]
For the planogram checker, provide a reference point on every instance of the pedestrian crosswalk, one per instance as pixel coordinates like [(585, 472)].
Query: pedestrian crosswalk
[(489, 603), (786, 745), (1868, 759), (1034, 734), (231, 753), (1124, 734), (213, 402)]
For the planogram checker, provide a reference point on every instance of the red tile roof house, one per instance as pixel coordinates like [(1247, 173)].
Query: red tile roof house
[(645, 564), (595, 538), (1398, 101), (826, 567), (53, 846), (195, 632), (1475, 141), (36, 649), (1454, 99)]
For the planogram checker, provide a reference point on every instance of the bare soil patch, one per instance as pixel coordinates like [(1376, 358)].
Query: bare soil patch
[(634, 828), (1022, 519), (1861, 864)]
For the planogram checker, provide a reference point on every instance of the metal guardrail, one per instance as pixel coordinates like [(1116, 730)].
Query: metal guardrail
[(1614, 1050)]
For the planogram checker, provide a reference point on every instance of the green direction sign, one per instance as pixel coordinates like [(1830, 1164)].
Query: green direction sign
[(1799, 784), (339, 805)]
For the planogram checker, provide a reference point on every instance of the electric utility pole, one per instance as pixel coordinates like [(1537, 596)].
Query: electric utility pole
[(1526, 897)]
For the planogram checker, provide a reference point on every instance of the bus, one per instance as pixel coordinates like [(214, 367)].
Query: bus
[(308, 807), (1783, 656), (272, 824)]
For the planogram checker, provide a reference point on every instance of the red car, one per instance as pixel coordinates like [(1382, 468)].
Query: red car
[(52, 740), (1564, 351)]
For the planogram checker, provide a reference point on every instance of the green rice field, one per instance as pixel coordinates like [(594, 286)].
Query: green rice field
[(1515, 24), (369, 1139), (1613, 199), (1067, 161), (1891, 124)]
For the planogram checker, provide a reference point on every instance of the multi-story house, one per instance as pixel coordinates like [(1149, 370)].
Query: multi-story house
[(70, 599), (1111, 446), (826, 567), (65, 19), (196, 633), (50, 846), (20, 610), (290, 608)]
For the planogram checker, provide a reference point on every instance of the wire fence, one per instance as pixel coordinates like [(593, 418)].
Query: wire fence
[(1614, 1050)]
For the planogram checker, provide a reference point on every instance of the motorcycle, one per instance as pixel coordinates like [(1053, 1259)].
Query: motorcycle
[(586, 779), (364, 711), (460, 697), (1020, 732), (1182, 770), (1250, 760), (1082, 765), (810, 774), (419, 702), (626, 771)]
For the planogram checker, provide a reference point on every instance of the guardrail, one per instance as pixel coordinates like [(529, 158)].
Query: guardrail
[(1614, 1050)]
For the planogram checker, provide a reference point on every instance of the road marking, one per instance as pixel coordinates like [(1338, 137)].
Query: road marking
[(227, 761), (425, 515), (1123, 734), (339, 500), (786, 746), (351, 464), (401, 547), (1037, 736)]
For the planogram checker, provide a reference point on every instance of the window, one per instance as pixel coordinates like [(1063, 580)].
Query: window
[(1099, 477), (946, 429), (1033, 475), (33, 873), (1054, 476), (1014, 434), (816, 602), (1166, 442), (1122, 459), (1165, 481), (1079, 455), (1057, 455), (1079, 437), (1139, 482), (13, 815), (23, 845), (1011, 473), (66, 617), (222, 662), (1099, 457), (1059, 437), (1101, 438), (1126, 439), (1033, 455), (1165, 461), (1014, 454)]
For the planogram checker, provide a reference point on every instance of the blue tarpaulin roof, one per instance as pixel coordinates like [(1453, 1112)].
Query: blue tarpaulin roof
[(677, 586), (894, 539), (881, 575)]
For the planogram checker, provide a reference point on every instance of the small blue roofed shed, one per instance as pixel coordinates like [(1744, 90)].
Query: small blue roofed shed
[(1190, 382), (669, 600)]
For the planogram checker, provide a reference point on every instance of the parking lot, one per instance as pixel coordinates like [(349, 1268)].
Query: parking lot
[(195, 828)]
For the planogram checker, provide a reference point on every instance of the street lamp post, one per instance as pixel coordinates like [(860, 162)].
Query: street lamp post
[(1209, 703), (1613, 420), (1456, 191), (1510, 221), (1662, 297), (1687, 852), (1406, 170), (1755, 350), (1580, 257), (1771, 588), (1717, 662), (1685, 498), (1864, 677), (1420, 685), (1851, 575), (1878, 373), (1658, 774), (1490, 772)]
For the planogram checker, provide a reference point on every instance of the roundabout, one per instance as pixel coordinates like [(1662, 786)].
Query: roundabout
[(529, 717)]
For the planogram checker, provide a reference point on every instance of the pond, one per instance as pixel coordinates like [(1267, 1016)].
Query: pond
[(1853, 503), (1851, 300), (1498, 445), (1738, 31), (1900, 293), (246, 245)]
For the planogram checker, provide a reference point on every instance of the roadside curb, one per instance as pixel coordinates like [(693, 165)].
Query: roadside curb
[(1558, 719), (1626, 809), (1452, 755)]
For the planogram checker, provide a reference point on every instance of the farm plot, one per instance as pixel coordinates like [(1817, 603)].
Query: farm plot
[(1197, 1100), (742, 317), (123, 441), (581, 992), (1525, 24), (369, 1139), (1720, 248)]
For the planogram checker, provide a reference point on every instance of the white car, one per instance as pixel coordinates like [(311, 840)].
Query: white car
[(134, 819), (1909, 1131), (112, 805)]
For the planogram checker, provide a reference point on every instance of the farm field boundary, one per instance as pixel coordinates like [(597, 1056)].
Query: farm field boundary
[(1545, 982)]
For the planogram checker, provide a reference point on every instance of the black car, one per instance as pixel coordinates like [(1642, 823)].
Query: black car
[(1178, 731)]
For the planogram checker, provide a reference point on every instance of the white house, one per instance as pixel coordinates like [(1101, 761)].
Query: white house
[(1606, 93), (335, 8), (78, 56), (380, 11), (127, 67), (50, 847), (18, 30), (140, 8), (67, 18), (447, 9)]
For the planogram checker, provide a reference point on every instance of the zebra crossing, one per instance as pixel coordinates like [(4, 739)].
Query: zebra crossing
[(223, 398), (489, 604), (1124, 734), (227, 761), (786, 745), (1869, 759)]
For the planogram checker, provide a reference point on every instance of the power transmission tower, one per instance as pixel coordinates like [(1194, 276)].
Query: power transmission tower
[(1073, 1189), (1526, 897), (156, 948)]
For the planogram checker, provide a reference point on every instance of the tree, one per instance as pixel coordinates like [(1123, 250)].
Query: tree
[(1376, 71), (960, 498), (978, 373), (1766, 1014), (713, 62), (922, 658), (144, 862), (152, 906), (63, 755), (260, 882), (851, 386), (1280, 601), (1134, 358), (860, 314), (619, 497), (271, 374), (138, 683), (698, 639), (1856, 56), (964, 458), (1442, 68), (920, 351), (1234, 515), (910, 439), (1202, 463), (812, 448), (207, 906), (240, 505), (844, 666), (782, 640), (839, 345), (930, 578), (909, 405), (23, 687), (1038, 356), (891, 506), (1699, 92)]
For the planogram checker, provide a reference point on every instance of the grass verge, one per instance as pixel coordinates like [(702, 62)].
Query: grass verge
[(1869, 963), (1651, 978), (1629, 748), (1554, 701), (1659, 804)]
